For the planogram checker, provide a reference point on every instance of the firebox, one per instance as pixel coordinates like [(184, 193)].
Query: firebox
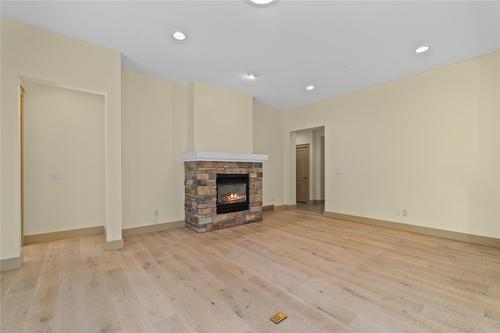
[(232, 193)]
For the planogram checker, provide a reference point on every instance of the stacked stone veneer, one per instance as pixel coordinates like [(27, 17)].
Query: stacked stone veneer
[(201, 194)]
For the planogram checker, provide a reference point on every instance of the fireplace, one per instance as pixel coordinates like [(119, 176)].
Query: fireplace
[(222, 190), (232, 193)]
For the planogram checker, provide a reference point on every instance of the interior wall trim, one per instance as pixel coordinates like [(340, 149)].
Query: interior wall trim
[(114, 245), (453, 235), (269, 208), (153, 228), (51, 236), (11, 263)]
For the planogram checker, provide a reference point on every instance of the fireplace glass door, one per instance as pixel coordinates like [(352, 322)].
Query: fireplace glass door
[(232, 193)]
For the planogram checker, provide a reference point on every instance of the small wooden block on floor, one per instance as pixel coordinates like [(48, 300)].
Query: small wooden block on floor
[(279, 317)]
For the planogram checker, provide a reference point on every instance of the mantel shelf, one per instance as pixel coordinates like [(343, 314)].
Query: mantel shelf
[(201, 155)]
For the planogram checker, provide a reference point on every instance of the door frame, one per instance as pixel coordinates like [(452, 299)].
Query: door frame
[(22, 91), (308, 187), (290, 161)]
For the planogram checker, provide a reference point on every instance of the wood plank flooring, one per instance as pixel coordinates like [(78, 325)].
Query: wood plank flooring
[(327, 275), (313, 207)]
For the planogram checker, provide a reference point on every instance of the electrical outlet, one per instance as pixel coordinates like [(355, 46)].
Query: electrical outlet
[(405, 212), (156, 214), (398, 212)]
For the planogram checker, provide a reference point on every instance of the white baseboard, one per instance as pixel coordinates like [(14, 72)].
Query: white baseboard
[(10, 263)]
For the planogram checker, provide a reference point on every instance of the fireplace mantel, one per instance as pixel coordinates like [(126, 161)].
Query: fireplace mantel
[(202, 155)]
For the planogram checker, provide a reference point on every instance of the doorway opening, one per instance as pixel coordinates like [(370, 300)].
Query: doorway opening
[(310, 169), (62, 161)]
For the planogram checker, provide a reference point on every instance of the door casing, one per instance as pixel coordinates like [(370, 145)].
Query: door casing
[(21, 131)]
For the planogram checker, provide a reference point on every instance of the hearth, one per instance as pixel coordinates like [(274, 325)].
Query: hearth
[(232, 193)]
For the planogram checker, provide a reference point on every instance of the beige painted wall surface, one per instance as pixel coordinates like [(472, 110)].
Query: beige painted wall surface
[(429, 143), (268, 139), (64, 169), (34, 53), (306, 137), (190, 116), (318, 174), (153, 128), (222, 119)]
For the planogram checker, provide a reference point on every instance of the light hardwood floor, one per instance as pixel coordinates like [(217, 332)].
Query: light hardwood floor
[(327, 275), (313, 207)]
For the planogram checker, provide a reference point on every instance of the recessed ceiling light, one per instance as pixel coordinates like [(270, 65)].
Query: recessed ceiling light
[(310, 87), (262, 2), (250, 76), (422, 49), (179, 35)]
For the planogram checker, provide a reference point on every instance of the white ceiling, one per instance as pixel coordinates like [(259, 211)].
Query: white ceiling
[(337, 46)]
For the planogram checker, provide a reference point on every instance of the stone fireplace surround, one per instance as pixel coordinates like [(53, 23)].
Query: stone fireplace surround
[(200, 170)]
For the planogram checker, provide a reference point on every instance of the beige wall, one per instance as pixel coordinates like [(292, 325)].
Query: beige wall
[(222, 119), (190, 116), (153, 132), (158, 125), (429, 143), (306, 137), (33, 53), (318, 174), (64, 169), (268, 139)]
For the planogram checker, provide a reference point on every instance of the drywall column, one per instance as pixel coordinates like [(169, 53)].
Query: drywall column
[(32, 53), (221, 120), (268, 139)]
